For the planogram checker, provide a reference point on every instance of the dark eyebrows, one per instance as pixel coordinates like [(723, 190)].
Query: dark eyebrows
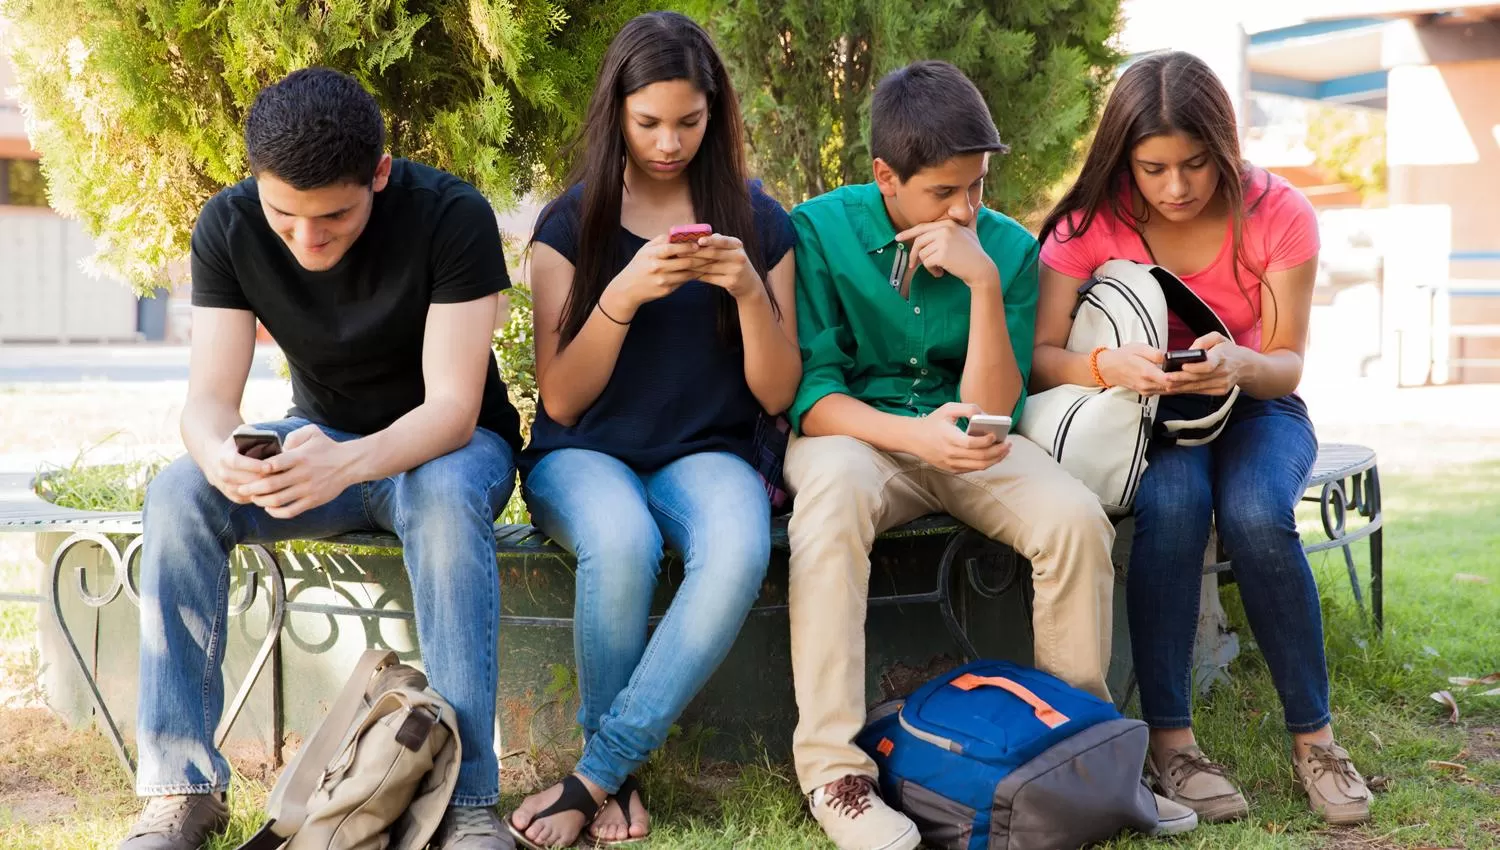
[(1149, 164), (337, 212), (945, 187), (645, 116)]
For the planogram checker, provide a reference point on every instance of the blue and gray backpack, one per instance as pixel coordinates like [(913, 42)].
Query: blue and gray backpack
[(996, 756)]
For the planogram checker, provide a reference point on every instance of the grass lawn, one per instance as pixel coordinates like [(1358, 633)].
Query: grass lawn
[(61, 789)]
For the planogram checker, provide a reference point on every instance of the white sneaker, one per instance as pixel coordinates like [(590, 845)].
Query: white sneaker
[(1173, 818), (852, 813)]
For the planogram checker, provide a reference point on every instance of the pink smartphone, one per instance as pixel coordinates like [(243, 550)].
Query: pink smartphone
[(689, 232)]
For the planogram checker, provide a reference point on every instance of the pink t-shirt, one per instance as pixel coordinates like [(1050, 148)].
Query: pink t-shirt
[(1280, 232)]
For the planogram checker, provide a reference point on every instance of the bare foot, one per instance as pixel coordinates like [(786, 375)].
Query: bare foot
[(556, 830), (611, 826)]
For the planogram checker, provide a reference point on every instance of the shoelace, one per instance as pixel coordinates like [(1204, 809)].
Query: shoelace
[(164, 815), (1182, 766), (470, 820), (850, 795), (1325, 760)]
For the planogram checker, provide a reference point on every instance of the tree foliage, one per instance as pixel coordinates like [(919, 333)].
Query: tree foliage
[(1349, 145), (805, 70)]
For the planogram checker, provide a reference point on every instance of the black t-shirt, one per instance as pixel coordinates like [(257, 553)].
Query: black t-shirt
[(352, 335), (678, 388)]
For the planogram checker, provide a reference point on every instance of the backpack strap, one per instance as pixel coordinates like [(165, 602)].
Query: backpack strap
[(1201, 319), (286, 808), (1040, 707)]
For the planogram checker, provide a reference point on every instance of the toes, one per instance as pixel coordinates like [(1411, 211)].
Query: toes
[(522, 817), (541, 833)]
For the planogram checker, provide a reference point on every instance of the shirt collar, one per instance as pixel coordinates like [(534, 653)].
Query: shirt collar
[(871, 221)]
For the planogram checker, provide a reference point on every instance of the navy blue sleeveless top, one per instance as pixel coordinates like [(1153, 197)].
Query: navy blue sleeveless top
[(678, 388)]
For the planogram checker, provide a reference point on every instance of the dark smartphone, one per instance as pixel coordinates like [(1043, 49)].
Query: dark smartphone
[(256, 442), (1175, 359)]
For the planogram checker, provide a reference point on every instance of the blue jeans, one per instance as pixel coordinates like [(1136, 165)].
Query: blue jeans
[(1250, 478), (444, 513), (712, 508)]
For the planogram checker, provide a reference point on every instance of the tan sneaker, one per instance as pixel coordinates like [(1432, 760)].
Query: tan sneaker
[(855, 817), (1201, 785), (1334, 787)]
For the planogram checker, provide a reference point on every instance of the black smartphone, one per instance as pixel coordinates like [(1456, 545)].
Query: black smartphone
[(256, 443), (1174, 359)]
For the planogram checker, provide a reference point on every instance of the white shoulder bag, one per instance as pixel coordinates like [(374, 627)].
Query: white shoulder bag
[(1100, 435)]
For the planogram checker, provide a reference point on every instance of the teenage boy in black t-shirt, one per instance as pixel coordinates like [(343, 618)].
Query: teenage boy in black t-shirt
[(379, 279)]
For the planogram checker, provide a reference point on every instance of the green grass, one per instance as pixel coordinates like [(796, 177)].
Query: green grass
[(1436, 627)]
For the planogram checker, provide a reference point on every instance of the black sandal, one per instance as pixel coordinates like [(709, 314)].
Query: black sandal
[(574, 798), (631, 786)]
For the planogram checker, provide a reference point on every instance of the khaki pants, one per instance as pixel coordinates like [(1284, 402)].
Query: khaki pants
[(847, 492)]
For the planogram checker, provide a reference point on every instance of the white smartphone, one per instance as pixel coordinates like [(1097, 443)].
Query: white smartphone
[(985, 423)]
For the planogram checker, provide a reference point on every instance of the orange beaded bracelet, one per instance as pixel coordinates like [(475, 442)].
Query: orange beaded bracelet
[(1094, 366)]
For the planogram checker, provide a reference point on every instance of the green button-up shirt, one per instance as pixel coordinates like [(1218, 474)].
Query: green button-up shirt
[(861, 338)]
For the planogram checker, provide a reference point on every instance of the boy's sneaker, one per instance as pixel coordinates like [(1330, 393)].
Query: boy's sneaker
[(1173, 818), (1334, 788), (178, 822), (1191, 779), (852, 813)]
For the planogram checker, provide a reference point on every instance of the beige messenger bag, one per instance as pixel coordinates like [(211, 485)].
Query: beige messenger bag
[(378, 772)]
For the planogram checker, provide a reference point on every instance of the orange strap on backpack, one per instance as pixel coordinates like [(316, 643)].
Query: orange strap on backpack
[(1044, 712)]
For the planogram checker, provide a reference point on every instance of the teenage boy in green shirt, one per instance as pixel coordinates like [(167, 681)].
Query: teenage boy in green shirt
[(915, 310)]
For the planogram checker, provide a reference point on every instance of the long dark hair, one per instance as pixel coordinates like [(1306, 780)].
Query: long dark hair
[(653, 48), (1172, 92)]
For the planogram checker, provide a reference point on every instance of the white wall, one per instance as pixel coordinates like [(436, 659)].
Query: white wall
[(44, 295)]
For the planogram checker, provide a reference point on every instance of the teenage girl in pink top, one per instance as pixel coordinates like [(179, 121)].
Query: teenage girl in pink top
[(1164, 183)]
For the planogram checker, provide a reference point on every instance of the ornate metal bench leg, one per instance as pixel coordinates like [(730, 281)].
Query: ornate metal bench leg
[(1377, 549), (271, 569), (93, 601), (945, 597), (1333, 508)]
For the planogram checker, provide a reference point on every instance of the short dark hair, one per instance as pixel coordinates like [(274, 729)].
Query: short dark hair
[(314, 128), (926, 114)]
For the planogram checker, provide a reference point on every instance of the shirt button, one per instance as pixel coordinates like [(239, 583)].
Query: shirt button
[(924, 371), (914, 361), (917, 310)]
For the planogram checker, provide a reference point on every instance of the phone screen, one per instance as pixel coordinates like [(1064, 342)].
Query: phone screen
[(257, 446)]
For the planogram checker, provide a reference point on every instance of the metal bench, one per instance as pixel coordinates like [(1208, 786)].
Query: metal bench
[(1344, 480)]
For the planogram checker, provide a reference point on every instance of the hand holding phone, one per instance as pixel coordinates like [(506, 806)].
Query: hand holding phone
[(257, 443), (1173, 360), (984, 423)]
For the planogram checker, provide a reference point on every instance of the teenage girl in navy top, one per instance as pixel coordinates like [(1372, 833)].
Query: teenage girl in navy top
[(655, 360)]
